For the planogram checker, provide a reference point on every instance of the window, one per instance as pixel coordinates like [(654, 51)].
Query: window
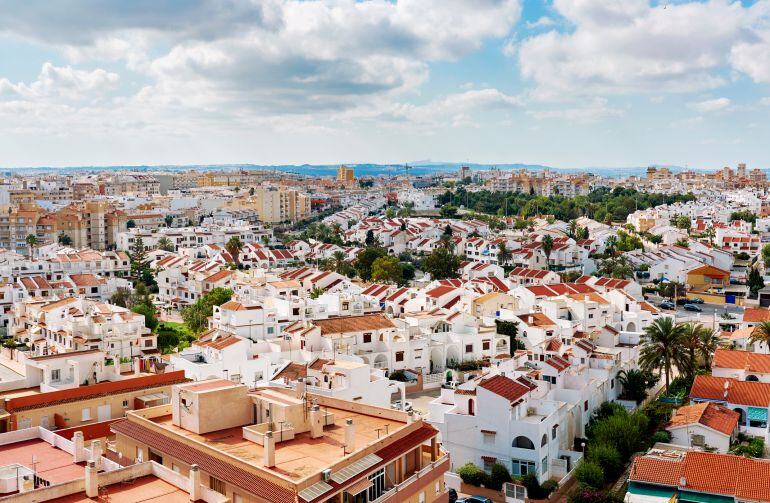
[(85, 415), (469, 348), (485, 345), (367, 337), (522, 467), (585, 405), (489, 437), (56, 375), (698, 440), (125, 404), (553, 431), (217, 485), (139, 454), (488, 462), (544, 465), (438, 487), (422, 497), (612, 383), (399, 356), (270, 330)]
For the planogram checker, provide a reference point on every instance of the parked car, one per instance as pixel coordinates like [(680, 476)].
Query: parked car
[(696, 300), (667, 305), (475, 499), (452, 495), (397, 405), (693, 308)]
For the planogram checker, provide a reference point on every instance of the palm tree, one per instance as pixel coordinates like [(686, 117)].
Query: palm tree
[(338, 261), (503, 254), (233, 247), (165, 244), (761, 334), (547, 244), (691, 343), (663, 347), (407, 209), (31, 243), (610, 243), (709, 343)]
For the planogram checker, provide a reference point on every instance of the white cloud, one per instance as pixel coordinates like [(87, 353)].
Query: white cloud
[(631, 46), (715, 105), (65, 82), (594, 111), (543, 22), (765, 101)]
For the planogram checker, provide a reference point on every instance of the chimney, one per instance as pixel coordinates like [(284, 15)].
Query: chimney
[(194, 481), (137, 367), (410, 417), (78, 450), (269, 450), (300, 387), (92, 480), (350, 436), (96, 453), (316, 422), (27, 484)]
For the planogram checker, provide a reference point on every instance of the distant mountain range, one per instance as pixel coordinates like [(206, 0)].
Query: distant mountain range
[(424, 167)]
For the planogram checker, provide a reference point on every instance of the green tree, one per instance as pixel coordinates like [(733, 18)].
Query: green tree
[(656, 239), (31, 241), (316, 292), (547, 244), (635, 383), (138, 257), (338, 262), (195, 317), (693, 337), (370, 239), (121, 297), (663, 348), (130, 224), (683, 222), (165, 244), (503, 254), (709, 343), (616, 266), (390, 212), (448, 211), (761, 334), (387, 270), (63, 239), (755, 281), (148, 311), (365, 261), (407, 209), (168, 219), (233, 247), (766, 255), (216, 297), (442, 263), (607, 457), (590, 474)]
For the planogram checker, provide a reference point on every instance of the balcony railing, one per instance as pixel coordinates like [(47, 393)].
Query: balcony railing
[(392, 492)]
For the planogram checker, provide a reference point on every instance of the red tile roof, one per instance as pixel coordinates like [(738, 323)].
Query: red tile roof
[(93, 391), (708, 414), (742, 360), (755, 315), (505, 387), (731, 390)]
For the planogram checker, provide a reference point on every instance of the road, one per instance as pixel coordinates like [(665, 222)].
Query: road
[(707, 313)]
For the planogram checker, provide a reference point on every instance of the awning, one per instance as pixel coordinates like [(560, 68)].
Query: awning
[(358, 487), (704, 498), (757, 414)]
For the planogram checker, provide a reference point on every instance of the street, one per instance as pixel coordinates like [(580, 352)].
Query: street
[(705, 316)]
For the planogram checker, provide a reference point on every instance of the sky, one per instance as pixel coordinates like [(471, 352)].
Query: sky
[(564, 83)]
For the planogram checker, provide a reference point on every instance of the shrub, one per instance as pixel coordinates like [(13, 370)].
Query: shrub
[(585, 494), (754, 449), (473, 475), (590, 474), (607, 457), (661, 436), (623, 431), (398, 375), (534, 489), (498, 476), (549, 486)]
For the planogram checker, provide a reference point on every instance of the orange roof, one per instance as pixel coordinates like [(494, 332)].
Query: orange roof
[(708, 414), (219, 276), (755, 315), (730, 390), (710, 270), (505, 387), (743, 360), (660, 471), (349, 324)]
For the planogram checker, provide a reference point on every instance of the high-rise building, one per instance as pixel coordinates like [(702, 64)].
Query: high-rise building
[(345, 175), (281, 204)]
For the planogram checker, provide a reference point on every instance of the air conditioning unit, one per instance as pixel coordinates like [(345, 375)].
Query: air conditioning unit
[(326, 475)]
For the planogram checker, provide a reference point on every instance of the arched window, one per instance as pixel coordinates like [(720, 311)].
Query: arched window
[(523, 442), (544, 441), (752, 378)]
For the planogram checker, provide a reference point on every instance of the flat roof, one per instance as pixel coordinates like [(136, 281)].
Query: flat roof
[(302, 456), (51, 464), (148, 489)]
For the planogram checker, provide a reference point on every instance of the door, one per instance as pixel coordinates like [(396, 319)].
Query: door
[(104, 412), (44, 422)]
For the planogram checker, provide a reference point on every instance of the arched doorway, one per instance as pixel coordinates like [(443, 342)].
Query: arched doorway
[(742, 419), (436, 360), (631, 327), (380, 361)]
